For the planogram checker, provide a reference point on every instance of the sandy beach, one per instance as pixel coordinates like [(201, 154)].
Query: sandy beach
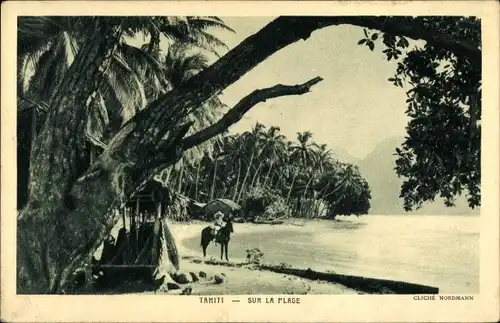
[(244, 280), (363, 247)]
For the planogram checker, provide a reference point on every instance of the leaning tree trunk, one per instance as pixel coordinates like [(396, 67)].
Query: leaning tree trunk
[(291, 186), (68, 213), (246, 176), (267, 174), (196, 181), (181, 173), (237, 180), (44, 265), (256, 175), (214, 179)]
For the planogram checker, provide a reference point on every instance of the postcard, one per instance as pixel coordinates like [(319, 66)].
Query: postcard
[(249, 161)]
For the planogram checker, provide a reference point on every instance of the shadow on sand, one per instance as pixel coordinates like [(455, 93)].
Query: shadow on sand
[(362, 284)]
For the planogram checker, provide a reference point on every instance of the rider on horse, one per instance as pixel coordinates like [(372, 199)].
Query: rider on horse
[(218, 224)]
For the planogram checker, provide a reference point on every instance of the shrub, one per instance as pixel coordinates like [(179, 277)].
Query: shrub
[(277, 209), (266, 203), (254, 256)]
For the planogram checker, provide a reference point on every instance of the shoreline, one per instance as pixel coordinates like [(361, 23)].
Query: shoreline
[(312, 281), (184, 231), (242, 278), (254, 279)]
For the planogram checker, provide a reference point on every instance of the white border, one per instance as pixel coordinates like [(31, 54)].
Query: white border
[(348, 308)]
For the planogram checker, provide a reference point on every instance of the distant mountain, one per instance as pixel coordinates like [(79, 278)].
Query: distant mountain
[(343, 155), (378, 169)]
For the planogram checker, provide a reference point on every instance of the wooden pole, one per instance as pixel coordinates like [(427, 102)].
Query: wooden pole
[(137, 222), (123, 218), (157, 232)]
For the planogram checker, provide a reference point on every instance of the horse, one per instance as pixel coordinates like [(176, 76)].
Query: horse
[(223, 237)]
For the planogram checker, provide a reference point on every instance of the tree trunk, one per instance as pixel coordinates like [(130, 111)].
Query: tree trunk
[(34, 123), (46, 265), (214, 179), (297, 206), (154, 42), (169, 172), (267, 174), (310, 179), (179, 183), (291, 186), (124, 222), (252, 184), (246, 176), (237, 180), (196, 181)]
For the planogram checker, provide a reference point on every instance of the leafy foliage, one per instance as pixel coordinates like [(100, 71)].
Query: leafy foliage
[(441, 153), (265, 203), (47, 47)]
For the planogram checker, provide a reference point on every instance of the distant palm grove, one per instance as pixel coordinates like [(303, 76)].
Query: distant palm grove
[(271, 176)]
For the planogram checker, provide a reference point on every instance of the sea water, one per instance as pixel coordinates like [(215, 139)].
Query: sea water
[(440, 251)]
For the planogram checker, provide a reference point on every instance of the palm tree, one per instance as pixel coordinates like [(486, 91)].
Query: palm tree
[(275, 151), (190, 30), (303, 151), (354, 190), (302, 154), (321, 157), (47, 47), (271, 149), (180, 65), (235, 155), (251, 140)]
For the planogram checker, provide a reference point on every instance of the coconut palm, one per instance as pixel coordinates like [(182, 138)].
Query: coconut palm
[(251, 140), (347, 191), (271, 147), (180, 65), (47, 47), (302, 154), (274, 151), (303, 151), (191, 30), (321, 158)]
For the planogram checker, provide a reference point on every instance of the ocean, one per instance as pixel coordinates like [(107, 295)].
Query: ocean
[(440, 251)]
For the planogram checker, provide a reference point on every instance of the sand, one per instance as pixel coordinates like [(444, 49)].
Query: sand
[(245, 280)]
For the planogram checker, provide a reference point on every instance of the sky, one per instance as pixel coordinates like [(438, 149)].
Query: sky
[(353, 109)]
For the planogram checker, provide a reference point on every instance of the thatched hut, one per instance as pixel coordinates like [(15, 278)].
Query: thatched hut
[(156, 196), (144, 254), (141, 247)]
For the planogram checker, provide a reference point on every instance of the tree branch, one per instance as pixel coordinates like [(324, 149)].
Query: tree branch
[(278, 34), (235, 114), (415, 29)]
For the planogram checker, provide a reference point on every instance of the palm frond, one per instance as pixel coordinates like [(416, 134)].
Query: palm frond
[(97, 119), (126, 88), (203, 23), (143, 64)]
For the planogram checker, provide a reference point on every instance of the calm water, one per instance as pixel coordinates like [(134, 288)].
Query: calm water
[(441, 251)]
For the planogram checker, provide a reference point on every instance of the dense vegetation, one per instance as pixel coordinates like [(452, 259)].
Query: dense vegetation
[(273, 177), (99, 118)]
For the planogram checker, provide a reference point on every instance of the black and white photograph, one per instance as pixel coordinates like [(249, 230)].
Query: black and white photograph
[(212, 157)]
